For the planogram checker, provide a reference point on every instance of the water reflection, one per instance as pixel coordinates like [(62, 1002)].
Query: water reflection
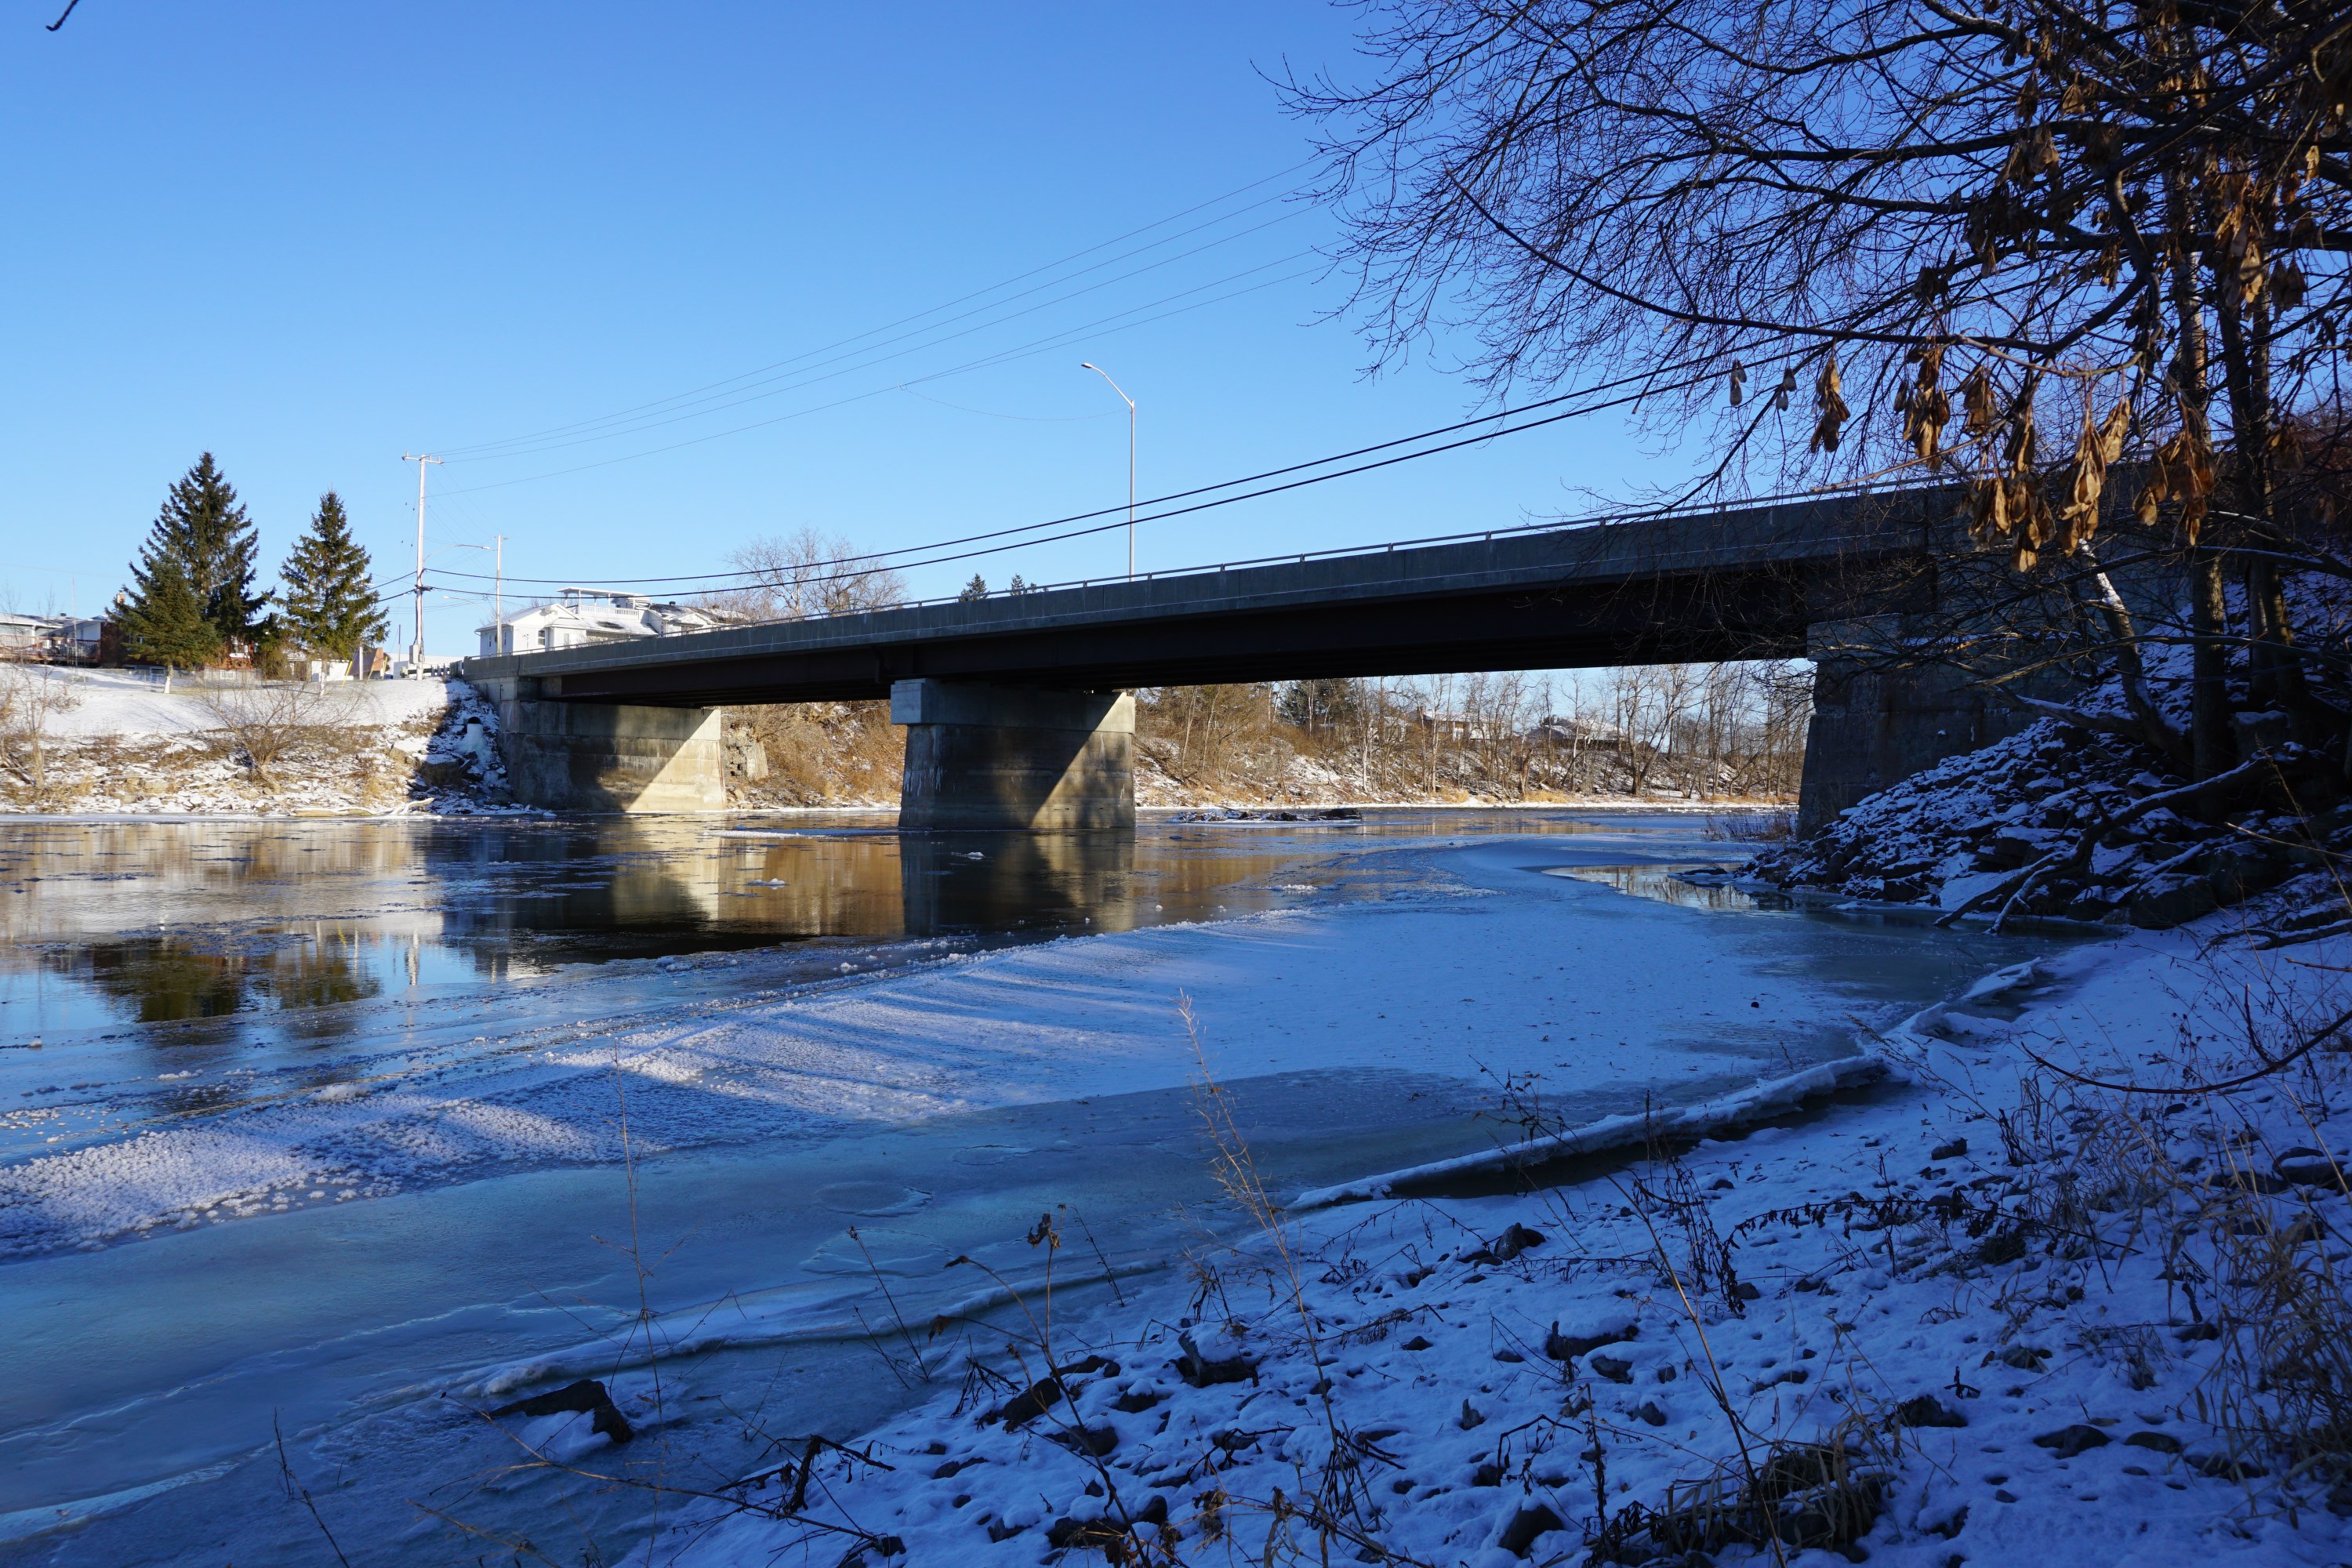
[(295, 926), (162, 980), (1663, 883), (957, 884)]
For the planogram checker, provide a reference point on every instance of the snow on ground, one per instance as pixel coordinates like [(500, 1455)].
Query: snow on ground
[(112, 742), (1980, 1316), (1459, 975), (125, 704)]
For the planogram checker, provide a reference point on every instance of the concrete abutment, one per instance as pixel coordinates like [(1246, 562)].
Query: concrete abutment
[(608, 756), (1877, 720)]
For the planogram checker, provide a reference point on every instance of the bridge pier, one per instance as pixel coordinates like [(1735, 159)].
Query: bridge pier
[(1875, 724), (983, 756), (609, 756)]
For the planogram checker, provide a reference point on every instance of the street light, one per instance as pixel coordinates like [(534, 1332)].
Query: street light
[(1123, 397)]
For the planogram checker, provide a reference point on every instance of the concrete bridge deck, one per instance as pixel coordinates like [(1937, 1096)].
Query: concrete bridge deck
[(1011, 699), (1723, 584)]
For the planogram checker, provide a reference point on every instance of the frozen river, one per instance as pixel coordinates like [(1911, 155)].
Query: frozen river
[(352, 1132)]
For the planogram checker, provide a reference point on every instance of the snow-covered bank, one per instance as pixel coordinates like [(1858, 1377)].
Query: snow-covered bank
[(1989, 1315), (114, 742)]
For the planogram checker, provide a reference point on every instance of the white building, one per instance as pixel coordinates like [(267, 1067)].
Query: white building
[(57, 639), (582, 617)]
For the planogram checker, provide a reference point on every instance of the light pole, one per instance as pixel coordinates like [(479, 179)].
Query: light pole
[(1123, 397), (497, 593), (416, 649)]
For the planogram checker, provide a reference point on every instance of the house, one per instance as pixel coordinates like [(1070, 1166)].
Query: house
[(583, 616), (50, 639), (1579, 735)]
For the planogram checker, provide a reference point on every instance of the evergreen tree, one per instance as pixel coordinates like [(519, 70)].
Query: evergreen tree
[(975, 589), (203, 539), (165, 624), (330, 609)]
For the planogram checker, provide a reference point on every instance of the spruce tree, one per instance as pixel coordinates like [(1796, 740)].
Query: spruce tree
[(330, 609), (203, 536), (165, 624)]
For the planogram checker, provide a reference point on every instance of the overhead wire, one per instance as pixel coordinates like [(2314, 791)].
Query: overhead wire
[(516, 446), (1102, 326), (893, 559)]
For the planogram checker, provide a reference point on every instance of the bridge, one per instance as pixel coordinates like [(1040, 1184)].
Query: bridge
[(1017, 708)]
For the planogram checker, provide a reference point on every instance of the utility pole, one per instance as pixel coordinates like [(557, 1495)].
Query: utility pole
[(499, 592), (1123, 397), (416, 647)]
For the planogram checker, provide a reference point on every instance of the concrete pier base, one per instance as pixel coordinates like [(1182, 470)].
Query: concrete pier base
[(1875, 723), (599, 756), (981, 756)]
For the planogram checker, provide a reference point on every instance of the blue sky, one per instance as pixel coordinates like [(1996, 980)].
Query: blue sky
[(310, 239)]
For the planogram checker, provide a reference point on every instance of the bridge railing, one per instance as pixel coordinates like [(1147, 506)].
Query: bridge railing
[(1750, 503)]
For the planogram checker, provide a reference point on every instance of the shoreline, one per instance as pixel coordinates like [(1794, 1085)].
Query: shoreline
[(1863, 1297)]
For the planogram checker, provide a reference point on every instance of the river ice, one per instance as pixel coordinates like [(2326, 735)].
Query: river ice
[(374, 1265)]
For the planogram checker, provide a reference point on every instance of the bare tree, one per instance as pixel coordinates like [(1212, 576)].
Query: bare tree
[(31, 697), (2125, 225), (805, 573)]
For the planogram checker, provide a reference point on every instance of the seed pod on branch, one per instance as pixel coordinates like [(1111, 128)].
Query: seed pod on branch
[(1977, 398), (1924, 408), (2181, 470), (1833, 411), (1739, 384), (2087, 475)]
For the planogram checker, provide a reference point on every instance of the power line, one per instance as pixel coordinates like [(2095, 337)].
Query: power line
[(1028, 350), (482, 449), (889, 559), (810, 378)]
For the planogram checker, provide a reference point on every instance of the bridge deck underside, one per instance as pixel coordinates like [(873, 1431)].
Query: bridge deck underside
[(1520, 629), (1705, 587)]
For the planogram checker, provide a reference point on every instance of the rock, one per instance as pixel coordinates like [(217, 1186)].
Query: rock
[(1951, 1151), (2069, 1441), (1612, 1368), (1509, 1357), (2001, 1247), (587, 1397), (1134, 1403), (1469, 1418), (1650, 1413), (1415, 1343), (1519, 1536), (2174, 899), (1744, 1291), (1089, 1441), (2155, 1442), (2238, 872), (1029, 1403), (1090, 1534), (2200, 1332), (2311, 1168), (1515, 1240), (1489, 1474), (1568, 1347), (2260, 732), (1927, 1411), (1202, 1371), (2025, 1358), (2224, 1467), (2259, 1183)]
